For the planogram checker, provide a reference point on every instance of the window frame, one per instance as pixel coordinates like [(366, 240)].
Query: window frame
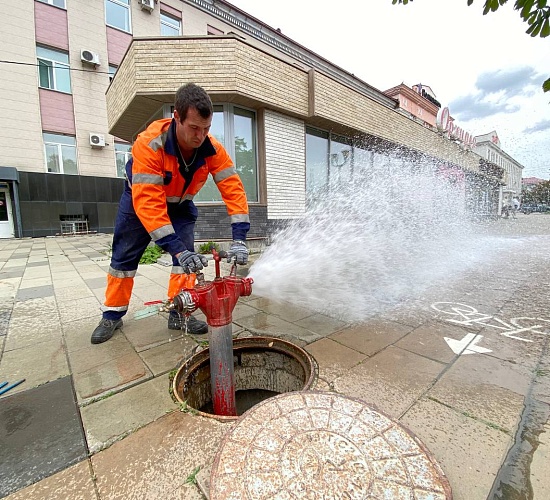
[(127, 156), (166, 23), (54, 66), (121, 3), (51, 2), (59, 146)]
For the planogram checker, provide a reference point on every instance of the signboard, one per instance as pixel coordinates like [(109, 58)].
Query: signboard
[(446, 124)]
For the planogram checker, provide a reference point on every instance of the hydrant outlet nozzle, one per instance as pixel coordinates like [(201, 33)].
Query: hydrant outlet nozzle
[(185, 302)]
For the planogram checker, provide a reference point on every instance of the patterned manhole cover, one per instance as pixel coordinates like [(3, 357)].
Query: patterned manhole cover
[(321, 445)]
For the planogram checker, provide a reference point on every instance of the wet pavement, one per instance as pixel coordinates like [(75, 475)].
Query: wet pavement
[(465, 369)]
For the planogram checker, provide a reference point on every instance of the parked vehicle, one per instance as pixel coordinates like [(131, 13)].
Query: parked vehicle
[(529, 208)]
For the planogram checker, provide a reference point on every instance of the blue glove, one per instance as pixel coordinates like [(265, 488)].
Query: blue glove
[(191, 261), (238, 249)]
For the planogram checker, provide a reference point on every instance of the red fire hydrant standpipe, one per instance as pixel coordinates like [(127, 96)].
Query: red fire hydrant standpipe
[(217, 299)]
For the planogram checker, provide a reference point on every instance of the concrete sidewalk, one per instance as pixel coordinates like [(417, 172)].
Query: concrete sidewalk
[(98, 422)]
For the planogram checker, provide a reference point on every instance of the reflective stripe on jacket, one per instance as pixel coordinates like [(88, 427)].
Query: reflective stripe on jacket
[(156, 178)]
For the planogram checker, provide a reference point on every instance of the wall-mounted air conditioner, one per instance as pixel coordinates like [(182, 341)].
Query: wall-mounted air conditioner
[(89, 57), (97, 140), (148, 5)]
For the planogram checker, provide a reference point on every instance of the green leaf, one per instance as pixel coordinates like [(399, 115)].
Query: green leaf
[(546, 85)]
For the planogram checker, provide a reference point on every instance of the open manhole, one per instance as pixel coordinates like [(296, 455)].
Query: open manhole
[(264, 367)]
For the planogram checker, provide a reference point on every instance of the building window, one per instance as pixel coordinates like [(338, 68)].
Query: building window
[(56, 3), (123, 152), (117, 14), (210, 30), (60, 153), (53, 69), (169, 25), (112, 71), (235, 128)]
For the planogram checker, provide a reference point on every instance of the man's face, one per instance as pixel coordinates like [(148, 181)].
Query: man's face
[(192, 132)]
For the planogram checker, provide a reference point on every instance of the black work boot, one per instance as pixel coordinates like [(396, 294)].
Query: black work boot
[(194, 326), (105, 330)]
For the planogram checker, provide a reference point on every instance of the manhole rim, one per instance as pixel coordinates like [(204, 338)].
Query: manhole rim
[(196, 361)]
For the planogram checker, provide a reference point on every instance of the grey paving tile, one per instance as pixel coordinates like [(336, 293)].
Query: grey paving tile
[(165, 357), (268, 325), (83, 307), (40, 434), (150, 332), (13, 272), (37, 364), (96, 282), (40, 263), (175, 446), (392, 380), (111, 418), (77, 333), (429, 340), (469, 451), (372, 336), (74, 483), (486, 388), (94, 355), (334, 359), (34, 293), (284, 310), (320, 324), (113, 374)]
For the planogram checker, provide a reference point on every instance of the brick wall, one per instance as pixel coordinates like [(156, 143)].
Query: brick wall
[(285, 165)]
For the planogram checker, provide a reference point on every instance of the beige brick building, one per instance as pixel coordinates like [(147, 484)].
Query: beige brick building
[(286, 115)]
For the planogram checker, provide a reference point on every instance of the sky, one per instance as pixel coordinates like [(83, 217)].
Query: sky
[(485, 69)]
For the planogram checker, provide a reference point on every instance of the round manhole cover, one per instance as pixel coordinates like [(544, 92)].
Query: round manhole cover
[(323, 445)]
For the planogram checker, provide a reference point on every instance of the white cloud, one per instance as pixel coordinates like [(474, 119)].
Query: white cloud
[(485, 62)]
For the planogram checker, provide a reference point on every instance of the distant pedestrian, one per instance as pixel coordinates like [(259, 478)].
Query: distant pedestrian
[(514, 207), (505, 210)]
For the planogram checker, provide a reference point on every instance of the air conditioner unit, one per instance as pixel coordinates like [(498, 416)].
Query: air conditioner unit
[(87, 56), (147, 4), (97, 140)]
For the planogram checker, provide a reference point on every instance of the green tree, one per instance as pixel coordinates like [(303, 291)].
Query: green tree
[(536, 13), (539, 194)]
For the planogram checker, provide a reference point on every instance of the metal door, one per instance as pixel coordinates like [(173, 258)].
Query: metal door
[(6, 217)]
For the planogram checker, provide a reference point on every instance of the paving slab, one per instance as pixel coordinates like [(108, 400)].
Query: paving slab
[(333, 359), (469, 451), (267, 325), (114, 417), (371, 337), (113, 374), (157, 461), (165, 357), (321, 324), (35, 292), (539, 478), (391, 381), (285, 310), (40, 434), (428, 340), (485, 387), (37, 364)]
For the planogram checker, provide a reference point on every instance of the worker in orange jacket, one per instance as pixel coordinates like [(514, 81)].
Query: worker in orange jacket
[(170, 163)]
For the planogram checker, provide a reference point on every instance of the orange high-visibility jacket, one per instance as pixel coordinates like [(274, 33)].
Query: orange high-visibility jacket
[(156, 178)]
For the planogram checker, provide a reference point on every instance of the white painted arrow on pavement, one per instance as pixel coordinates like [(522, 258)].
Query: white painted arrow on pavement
[(459, 346)]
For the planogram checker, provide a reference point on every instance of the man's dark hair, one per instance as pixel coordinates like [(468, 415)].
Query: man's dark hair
[(191, 95)]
